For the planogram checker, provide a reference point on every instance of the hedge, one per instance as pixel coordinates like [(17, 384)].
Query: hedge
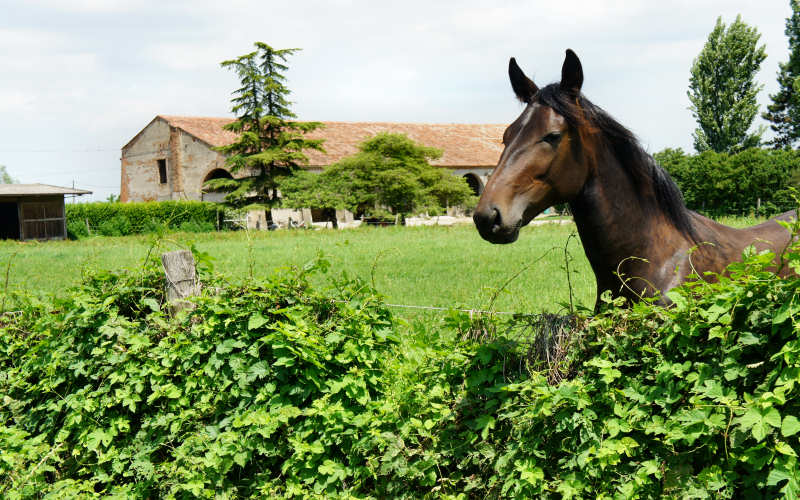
[(276, 388), (727, 184), (120, 219)]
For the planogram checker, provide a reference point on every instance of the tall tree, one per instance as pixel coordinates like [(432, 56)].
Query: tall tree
[(270, 145), (784, 112), (723, 90), (5, 177)]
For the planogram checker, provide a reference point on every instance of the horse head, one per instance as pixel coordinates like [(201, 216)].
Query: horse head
[(543, 162)]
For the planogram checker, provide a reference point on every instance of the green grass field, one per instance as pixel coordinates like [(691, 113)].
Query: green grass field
[(420, 266), (430, 266)]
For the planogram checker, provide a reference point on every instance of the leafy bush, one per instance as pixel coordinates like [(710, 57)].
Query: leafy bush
[(76, 229), (260, 390), (119, 225), (721, 183), (141, 217), (275, 388)]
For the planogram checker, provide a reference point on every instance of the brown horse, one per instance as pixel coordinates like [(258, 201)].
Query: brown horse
[(636, 231)]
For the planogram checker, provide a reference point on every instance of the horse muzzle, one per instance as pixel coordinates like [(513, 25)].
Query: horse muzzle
[(492, 227)]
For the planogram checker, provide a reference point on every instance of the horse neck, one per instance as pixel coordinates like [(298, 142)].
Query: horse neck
[(617, 219)]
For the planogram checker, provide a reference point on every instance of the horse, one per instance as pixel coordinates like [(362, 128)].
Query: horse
[(638, 235)]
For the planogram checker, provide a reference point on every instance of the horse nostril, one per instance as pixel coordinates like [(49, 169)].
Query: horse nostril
[(488, 221), (496, 220)]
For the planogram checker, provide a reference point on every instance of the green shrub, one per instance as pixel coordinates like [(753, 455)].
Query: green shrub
[(261, 390), (153, 226), (275, 388), (143, 217), (76, 229), (118, 225)]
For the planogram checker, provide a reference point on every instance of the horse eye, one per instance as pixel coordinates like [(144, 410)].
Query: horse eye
[(552, 138)]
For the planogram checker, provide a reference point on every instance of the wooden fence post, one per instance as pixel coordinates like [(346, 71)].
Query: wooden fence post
[(181, 279)]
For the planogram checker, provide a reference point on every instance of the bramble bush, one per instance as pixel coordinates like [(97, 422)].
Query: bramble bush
[(277, 388), (122, 219)]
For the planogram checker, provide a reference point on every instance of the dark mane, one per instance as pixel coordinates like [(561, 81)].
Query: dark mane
[(642, 169)]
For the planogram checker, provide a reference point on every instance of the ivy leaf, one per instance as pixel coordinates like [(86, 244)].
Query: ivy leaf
[(97, 437), (256, 321), (747, 338), (530, 472), (334, 471), (785, 468), (677, 299), (229, 345), (784, 449), (260, 369), (759, 420), (606, 369), (790, 426), (484, 423), (152, 304), (786, 311)]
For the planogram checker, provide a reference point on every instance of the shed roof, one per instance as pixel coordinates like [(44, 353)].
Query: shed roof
[(37, 190), (462, 144)]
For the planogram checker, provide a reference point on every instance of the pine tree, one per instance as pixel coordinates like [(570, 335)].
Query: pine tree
[(270, 145), (784, 112), (722, 88)]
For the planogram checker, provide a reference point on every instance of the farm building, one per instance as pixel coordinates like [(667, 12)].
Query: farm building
[(172, 157), (34, 211)]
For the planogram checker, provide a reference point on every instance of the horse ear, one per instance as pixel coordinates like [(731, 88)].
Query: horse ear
[(571, 73), (522, 85)]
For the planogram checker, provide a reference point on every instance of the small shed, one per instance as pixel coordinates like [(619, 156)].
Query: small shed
[(34, 211)]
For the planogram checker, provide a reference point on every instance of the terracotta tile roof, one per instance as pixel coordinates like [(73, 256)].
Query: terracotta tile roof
[(206, 129), (37, 189), (463, 145)]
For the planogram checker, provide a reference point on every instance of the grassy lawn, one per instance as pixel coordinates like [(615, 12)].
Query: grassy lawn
[(432, 266), (427, 266)]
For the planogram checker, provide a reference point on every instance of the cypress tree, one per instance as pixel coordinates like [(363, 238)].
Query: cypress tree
[(723, 90)]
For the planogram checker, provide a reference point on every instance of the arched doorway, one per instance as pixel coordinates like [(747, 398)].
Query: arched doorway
[(474, 183), (216, 195)]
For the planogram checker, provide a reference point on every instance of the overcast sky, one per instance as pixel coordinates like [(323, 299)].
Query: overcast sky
[(79, 78)]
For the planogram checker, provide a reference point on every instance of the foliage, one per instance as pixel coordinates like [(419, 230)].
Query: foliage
[(723, 90), (722, 183), (121, 219), (389, 172), (784, 112), (5, 177), (269, 145), (276, 388), (261, 390), (118, 225)]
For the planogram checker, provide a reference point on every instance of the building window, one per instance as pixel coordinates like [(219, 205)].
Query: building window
[(162, 171)]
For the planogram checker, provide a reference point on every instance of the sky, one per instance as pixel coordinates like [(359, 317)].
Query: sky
[(80, 78)]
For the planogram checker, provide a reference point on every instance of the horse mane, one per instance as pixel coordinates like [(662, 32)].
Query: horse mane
[(588, 119)]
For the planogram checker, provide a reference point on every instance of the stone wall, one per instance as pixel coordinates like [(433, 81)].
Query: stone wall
[(197, 160), (189, 161), (140, 180)]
